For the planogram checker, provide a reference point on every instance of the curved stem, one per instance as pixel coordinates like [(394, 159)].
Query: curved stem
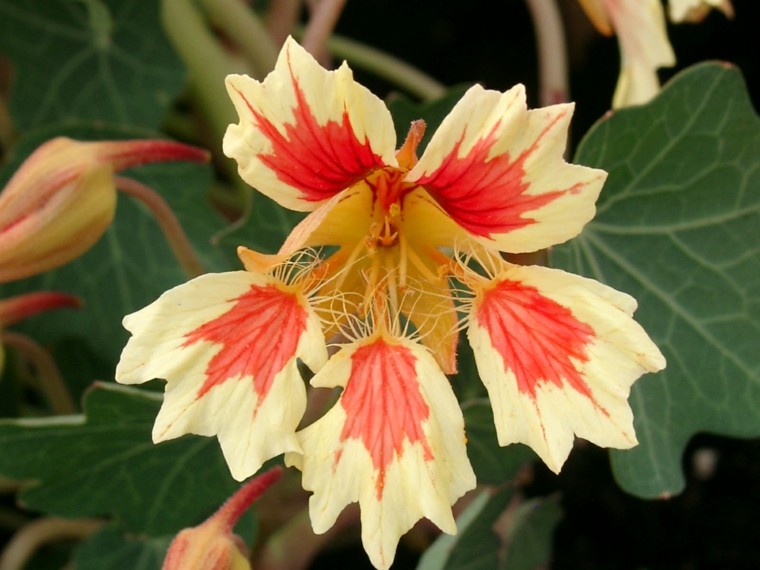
[(392, 69), (321, 24), (51, 380), (281, 19), (246, 30), (175, 235), (32, 536), (552, 51)]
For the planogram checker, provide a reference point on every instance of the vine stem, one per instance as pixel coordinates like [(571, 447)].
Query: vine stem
[(207, 65), (281, 19), (175, 235), (324, 16), (552, 51), (241, 24), (32, 536), (50, 377), (388, 67)]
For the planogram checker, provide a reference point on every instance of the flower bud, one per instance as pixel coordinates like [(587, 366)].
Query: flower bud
[(211, 545), (63, 197)]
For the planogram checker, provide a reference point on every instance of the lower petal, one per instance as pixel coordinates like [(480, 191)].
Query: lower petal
[(558, 354), (228, 345), (394, 442)]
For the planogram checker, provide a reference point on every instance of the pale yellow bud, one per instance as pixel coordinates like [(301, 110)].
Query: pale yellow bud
[(212, 545), (63, 197)]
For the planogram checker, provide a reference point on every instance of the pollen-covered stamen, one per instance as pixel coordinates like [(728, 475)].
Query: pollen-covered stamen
[(384, 233)]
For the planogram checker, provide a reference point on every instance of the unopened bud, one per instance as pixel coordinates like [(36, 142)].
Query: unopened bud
[(63, 197), (212, 545)]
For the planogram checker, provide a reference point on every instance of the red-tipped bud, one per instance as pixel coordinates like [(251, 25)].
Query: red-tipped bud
[(23, 306), (211, 545), (63, 197)]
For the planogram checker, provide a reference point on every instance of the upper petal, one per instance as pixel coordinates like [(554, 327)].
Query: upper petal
[(228, 345), (394, 442), (306, 133), (558, 354), (497, 170)]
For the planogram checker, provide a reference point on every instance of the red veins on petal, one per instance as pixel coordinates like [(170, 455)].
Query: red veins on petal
[(319, 160), (258, 335), (537, 338), (383, 404), (485, 195)]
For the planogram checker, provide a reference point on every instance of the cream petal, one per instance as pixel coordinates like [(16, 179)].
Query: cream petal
[(558, 354), (644, 48), (305, 133), (394, 442), (227, 344), (696, 10), (497, 169)]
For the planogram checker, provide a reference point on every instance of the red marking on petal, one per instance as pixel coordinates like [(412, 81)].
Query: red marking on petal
[(383, 404), (319, 160), (537, 338), (258, 335), (485, 195)]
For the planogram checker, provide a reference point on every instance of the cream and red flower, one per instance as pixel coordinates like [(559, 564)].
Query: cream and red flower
[(644, 45), (643, 39), (386, 235), (696, 10)]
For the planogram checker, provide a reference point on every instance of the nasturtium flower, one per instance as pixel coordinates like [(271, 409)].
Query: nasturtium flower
[(642, 35), (696, 10), (396, 256), (644, 45)]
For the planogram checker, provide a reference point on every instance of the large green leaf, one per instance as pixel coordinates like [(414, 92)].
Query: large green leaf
[(104, 463), (88, 59), (678, 227), (109, 549), (496, 533), (132, 263)]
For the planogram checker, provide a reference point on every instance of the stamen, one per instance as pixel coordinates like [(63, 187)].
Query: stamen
[(420, 265)]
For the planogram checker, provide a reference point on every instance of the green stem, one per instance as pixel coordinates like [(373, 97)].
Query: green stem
[(207, 64), (23, 545), (243, 26), (50, 379), (388, 67), (162, 212)]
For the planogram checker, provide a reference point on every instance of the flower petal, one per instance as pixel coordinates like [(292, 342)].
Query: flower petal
[(227, 344), (644, 47), (697, 10), (306, 133), (394, 442), (558, 354), (497, 170)]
